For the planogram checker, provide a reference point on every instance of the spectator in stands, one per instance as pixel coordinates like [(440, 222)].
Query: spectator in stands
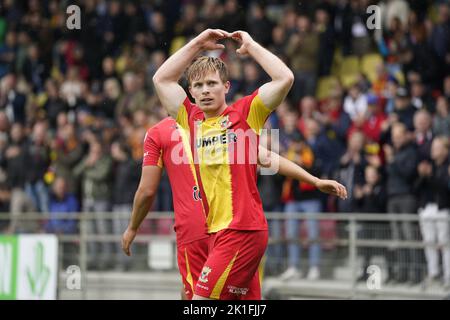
[(270, 187), (325, 28), (434, 187), (371, 122), (126, 180), (401, 162), (38, 160), (259, 26), (355, 103), (53, 105), (133, 98), (351, 169), (34, 69), (8, 53), (403, 109), (441, 122), (12, 101), (62, 203), (423, 133), (371, 198), (15, 160), (303, 49), (356, 39), (303, 198), (439, 38), (68, 148), (94, 171), (420, 97)]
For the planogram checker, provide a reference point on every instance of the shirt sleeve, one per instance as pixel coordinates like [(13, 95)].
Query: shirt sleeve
[(152, 148), (254, 111), (184, 112)]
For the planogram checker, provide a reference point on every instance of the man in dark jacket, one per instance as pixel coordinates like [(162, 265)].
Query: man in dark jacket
[(371, 198), (401, 173), (127, 175)]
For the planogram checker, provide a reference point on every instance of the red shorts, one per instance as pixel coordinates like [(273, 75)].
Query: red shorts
[(231, 270), (191, 257)]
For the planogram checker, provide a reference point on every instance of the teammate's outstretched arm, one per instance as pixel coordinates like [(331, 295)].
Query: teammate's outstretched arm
[(273, 92), (170, 93), (143, 200), (289, 169)]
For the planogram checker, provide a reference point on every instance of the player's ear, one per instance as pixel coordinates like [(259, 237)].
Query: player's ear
[(227, 86)]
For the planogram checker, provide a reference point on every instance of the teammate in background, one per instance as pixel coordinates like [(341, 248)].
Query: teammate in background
[(166, 146), (230, 195)]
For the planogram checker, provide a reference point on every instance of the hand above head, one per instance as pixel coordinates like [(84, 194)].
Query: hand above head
[(244, 39), (207, 40)]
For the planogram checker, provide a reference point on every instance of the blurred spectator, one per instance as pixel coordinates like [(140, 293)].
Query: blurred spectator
[(439, 38), (434, 187), (401, 173), (15, 160), (356, 39), (53, 105), (371, 122), (62, 202), (355, 104), (308, 110), (11, 100), (403, 109), (252, 77), (67, 151), (72, 90), (259, 26), (34, 69), (441, 122), (371, 198), (126, 180), (420, 98), (234, 16), (38, 160), (302, 50), (423, 134), (270, 187), (325, 29), (351, 169), (7, 53), (94, 171), (303, 198), (112, 93), (133, 98)]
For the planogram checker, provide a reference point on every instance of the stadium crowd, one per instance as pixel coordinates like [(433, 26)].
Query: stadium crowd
[(369, 107)]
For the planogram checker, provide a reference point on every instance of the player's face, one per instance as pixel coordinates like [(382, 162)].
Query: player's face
[(209, 92)]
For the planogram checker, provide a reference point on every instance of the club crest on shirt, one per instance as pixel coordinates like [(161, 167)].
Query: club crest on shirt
[(204, 276), (225, 122)]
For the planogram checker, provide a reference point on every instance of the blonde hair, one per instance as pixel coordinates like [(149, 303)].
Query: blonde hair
[(203, 65)]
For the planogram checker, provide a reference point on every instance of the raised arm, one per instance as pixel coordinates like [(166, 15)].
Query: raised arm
[(143, 200), (289, 169), (170, 93), (273, 92)]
